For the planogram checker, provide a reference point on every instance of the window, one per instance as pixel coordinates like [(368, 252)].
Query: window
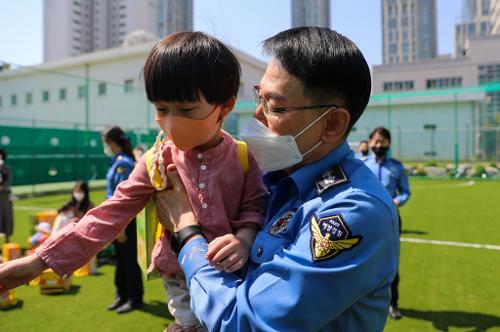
[(472, 28), (398, 86), (129, 85), (101, 89), (62, 94), (13, 100), (393, 48), (485, 10), (445, 82), (29, 98), (82, 91), (484, 28), (45, 96)]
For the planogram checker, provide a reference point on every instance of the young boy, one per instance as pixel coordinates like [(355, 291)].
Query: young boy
[(193, 80)]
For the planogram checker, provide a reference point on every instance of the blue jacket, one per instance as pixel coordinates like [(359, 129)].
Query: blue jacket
[(392, 174), (324, 260), (119, 171)]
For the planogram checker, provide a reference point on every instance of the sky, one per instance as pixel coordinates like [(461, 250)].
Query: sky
[(243, 24)]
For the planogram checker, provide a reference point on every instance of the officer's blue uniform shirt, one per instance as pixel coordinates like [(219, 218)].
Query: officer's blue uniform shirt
[(361, 156), (324, 260), (392, 174), (119, 171)]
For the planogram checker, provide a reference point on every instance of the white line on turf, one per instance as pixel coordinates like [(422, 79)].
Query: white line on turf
[(451, 243), (446, 186), (31, 208)]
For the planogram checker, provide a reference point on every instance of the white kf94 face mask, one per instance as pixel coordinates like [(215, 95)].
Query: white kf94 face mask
[(273, 152)]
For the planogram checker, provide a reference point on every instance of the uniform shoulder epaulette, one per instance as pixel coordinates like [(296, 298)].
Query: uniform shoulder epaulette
[(332, 177)]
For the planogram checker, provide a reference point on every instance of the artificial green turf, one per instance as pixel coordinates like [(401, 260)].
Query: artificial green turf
[(84, 307), (442, 288)]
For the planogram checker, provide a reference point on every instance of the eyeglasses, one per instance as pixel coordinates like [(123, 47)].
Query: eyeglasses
[(269, 109)]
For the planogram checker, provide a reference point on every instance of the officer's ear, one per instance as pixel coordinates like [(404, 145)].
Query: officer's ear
[(336, 125)]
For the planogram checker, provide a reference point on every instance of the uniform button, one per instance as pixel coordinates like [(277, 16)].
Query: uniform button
[(199, 156), (259, 251), (201, 185), (203, 167), (204, 205)]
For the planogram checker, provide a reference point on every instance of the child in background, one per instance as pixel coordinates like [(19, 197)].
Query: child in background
[(193, 80), (42, 234), (75, 208)]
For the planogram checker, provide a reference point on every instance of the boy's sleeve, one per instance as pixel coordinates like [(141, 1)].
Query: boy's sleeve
[(253, 203), (74, 245)]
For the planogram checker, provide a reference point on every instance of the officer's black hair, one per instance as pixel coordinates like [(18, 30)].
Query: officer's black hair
[(327, 63), (384, 132), (3, 153), (82, 206), (185, 64), (117, 135)]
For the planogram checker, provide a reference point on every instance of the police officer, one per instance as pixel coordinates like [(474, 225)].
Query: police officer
[(329, 249), (128, 279), (393, 177)]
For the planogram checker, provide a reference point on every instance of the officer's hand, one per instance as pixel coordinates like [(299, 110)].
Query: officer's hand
[(227, 253), (396, 202), (20, 271), (174, 202)]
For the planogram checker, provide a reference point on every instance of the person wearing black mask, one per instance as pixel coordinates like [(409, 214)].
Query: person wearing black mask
[(392, 174)]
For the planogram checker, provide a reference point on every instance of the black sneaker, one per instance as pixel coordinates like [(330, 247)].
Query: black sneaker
[(118, 302), (128, 306), (394, 313)]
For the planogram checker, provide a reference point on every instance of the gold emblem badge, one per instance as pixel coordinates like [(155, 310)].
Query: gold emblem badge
[(330, 236)]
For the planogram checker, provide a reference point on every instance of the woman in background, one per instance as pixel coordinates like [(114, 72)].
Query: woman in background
[(128, 279)]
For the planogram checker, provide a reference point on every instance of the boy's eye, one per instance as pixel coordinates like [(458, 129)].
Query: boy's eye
[(187, 110), (161, 111)]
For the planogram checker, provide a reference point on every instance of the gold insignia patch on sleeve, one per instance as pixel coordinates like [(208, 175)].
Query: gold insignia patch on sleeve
[(330, 236), (120, 170)]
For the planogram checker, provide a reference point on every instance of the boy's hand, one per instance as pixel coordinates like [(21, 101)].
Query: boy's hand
[(172, 205), (20, 271), (227, 253)]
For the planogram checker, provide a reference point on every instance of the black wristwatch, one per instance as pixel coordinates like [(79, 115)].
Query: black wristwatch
[(177, 239)]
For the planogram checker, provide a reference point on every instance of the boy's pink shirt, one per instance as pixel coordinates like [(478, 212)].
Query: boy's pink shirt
[(223, 197)]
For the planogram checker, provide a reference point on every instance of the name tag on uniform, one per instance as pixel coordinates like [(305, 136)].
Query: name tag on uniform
[(281, 225)]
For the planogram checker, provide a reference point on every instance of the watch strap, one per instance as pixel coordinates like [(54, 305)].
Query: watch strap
[(178, 238)]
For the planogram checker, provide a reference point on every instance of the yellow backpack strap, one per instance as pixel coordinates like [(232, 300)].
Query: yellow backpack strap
[(243, 154), (149, 159), (156, 179)]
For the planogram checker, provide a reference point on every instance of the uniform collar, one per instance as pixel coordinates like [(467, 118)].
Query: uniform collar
[(305, 177)]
